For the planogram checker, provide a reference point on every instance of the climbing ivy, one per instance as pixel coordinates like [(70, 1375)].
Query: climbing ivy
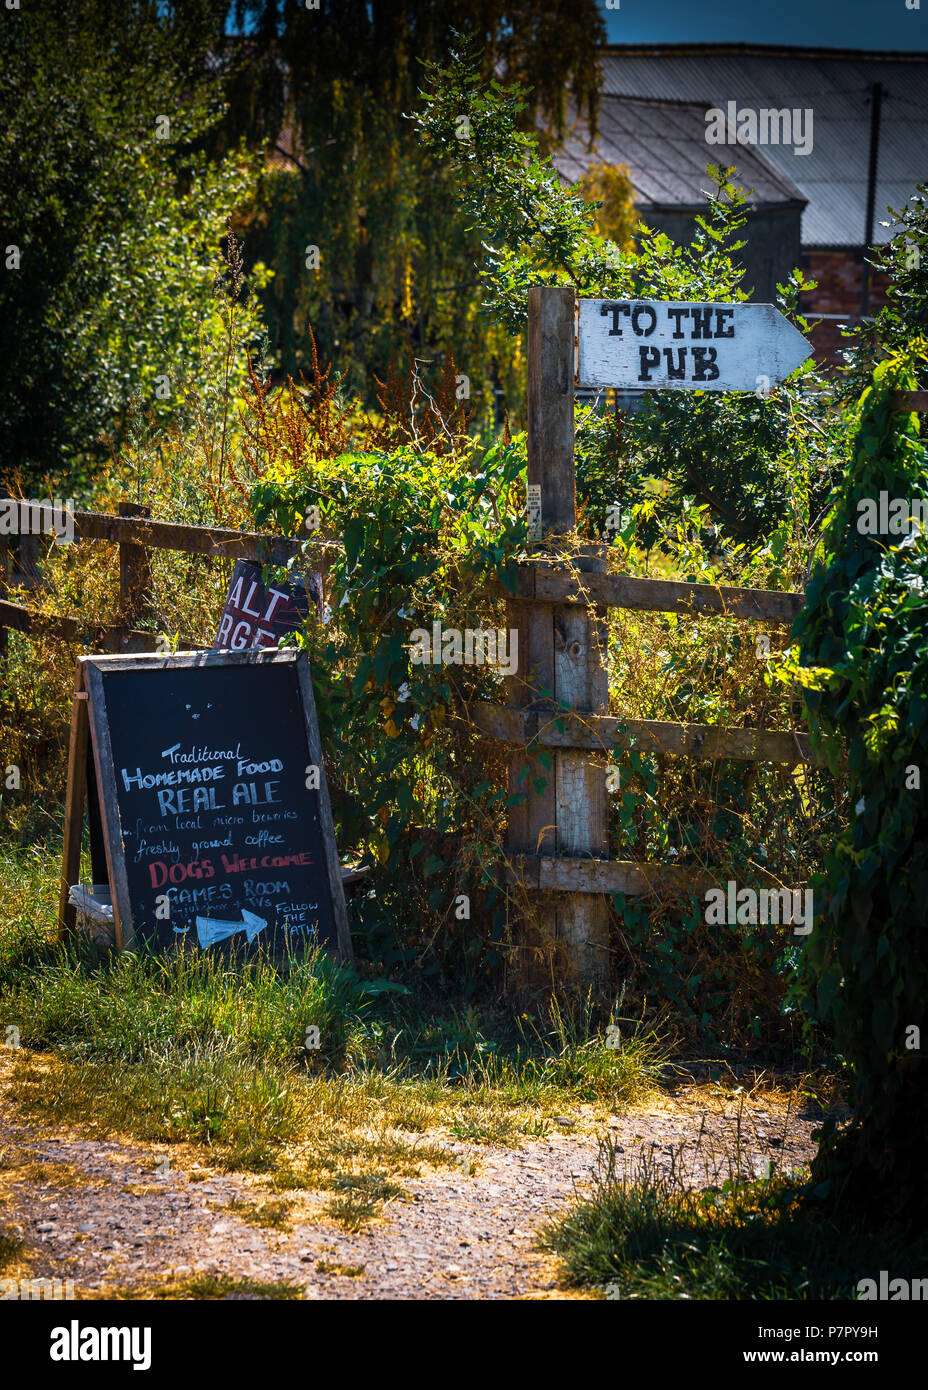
[(413, 788), (863, 651)]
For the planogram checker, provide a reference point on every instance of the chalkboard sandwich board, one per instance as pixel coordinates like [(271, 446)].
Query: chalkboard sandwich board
[(208, 792)]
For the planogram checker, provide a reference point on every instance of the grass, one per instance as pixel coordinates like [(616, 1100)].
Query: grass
[(646, 1235), (361, 1170), (340, 1271), (203, 1286), (194, 1051), (486, 1127), (12, 1248), (36, 1174), (361, 1198), (271, 1215)]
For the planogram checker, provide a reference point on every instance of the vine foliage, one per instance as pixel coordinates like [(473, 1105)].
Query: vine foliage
[(864, 661)]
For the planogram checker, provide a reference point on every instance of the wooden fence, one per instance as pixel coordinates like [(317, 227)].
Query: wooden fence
[(136, 534), (557, 843), (557, 840)]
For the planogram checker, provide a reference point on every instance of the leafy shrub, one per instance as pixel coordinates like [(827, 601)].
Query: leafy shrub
[(863, 642)]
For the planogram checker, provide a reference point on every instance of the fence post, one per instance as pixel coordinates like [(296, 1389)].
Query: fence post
[(134, 570), (561, 653), (5, 553)]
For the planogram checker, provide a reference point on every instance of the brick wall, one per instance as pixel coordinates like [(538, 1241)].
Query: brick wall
[(838, 274)]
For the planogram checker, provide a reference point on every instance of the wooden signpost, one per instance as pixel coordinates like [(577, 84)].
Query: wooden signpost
[(673, 345), (212, 803), (558, 841), (563, 808)]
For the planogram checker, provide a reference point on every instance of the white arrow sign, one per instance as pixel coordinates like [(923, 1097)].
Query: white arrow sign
[(661, 345), (211, 929)]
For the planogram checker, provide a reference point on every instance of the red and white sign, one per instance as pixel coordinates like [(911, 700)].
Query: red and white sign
[(257, 615)]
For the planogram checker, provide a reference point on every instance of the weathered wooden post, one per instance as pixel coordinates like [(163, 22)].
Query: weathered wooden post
[(560, 663), (4, 575), (134, 570)]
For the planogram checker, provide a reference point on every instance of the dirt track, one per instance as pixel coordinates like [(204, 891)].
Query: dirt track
[(110, 1214)]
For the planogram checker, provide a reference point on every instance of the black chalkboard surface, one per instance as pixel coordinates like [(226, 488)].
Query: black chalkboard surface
[(215, 811)]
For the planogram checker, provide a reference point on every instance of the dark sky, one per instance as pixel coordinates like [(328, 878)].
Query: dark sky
[(865, 24)]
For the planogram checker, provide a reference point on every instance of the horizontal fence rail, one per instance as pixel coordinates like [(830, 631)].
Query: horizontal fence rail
[(573, 729), (544, 873), (112, 638), (135, 535), (195, 540), (542, 584), (535, 582)]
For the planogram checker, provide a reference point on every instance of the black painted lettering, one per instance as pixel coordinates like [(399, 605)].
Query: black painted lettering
[(649, 358), (704, 364), (720, 330), (615, 310), (677, 312), (636, 316), (678, 372), (702, 322)]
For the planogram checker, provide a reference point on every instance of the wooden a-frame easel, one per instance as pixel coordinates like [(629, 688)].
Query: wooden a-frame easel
[(84, 775)]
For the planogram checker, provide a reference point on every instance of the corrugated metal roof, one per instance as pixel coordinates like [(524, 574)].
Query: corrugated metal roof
[(664, 145), (834, 85)]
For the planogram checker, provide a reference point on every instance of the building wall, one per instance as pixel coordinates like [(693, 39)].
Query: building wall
[(773, 250), (773, 247), (838, 272)]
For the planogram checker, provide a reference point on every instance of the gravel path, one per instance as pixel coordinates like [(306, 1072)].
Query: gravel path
[(112, 1214)]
